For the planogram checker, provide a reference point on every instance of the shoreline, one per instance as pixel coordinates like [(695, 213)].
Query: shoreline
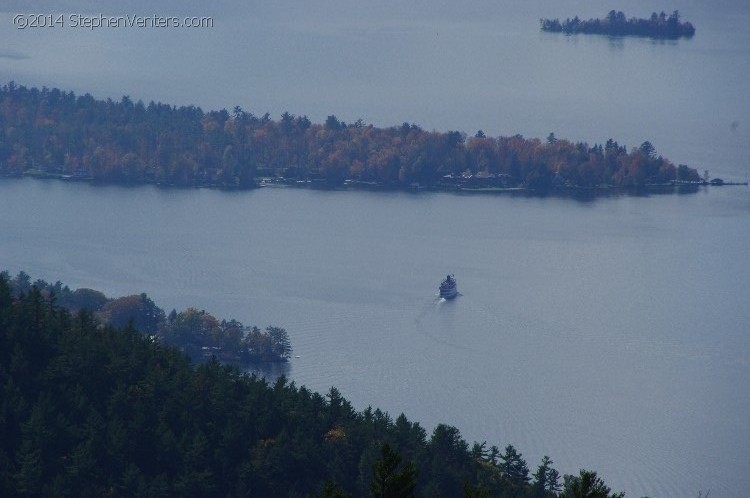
[(279, 182)]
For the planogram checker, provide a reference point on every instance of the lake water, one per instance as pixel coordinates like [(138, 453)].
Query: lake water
[(609, 333)]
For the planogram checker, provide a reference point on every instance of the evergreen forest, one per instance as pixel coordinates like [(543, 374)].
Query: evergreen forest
[(197, 333), (88, 409), (616, 24)]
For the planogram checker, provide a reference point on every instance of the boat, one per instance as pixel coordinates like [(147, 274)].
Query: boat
[(448, 289)]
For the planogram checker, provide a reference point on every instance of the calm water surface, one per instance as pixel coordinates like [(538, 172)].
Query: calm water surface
[(610, 334)]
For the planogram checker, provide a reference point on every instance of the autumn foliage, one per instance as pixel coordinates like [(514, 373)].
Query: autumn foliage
[(53, 132)]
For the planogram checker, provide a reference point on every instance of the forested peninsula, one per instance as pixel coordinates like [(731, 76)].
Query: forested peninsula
[(54, 133), (198, 334), (616, 24), (92, 410)]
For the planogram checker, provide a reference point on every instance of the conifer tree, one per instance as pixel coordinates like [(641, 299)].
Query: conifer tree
[(390, 479)]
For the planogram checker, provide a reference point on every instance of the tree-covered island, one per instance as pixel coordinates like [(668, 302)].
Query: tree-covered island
[(54, 133), (93, 410), (616, 24)]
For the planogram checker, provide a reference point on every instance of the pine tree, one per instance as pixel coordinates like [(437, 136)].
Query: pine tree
[(514, 465), (546, 479), (387, 480), (587, 485)]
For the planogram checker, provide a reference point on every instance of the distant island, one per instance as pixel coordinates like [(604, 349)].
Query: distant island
[(51, 133), (616, 24)]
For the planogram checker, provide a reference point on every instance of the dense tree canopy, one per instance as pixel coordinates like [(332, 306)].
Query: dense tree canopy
[(587, 485), (197, 333), (91, 410), (53, 132), (616, 24)]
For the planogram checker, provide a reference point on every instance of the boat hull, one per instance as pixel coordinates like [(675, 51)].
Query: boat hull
[(448, 293)]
